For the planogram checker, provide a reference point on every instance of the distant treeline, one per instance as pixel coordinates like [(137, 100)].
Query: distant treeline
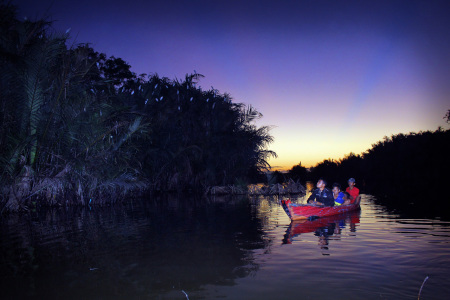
[(78, 127), (403, 165)]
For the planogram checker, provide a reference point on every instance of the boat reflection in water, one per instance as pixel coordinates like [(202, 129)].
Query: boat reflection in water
[(323, 228)]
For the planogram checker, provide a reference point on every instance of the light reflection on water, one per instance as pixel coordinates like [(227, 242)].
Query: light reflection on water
[(236, 248)]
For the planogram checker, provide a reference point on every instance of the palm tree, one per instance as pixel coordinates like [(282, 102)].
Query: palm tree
[(60, 117), (78, 127)]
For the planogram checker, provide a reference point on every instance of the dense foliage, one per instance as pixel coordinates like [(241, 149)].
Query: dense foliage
[(77, 127), (403, 165)]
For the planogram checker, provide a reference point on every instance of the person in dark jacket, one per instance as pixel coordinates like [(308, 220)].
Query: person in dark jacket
[(321, 195)]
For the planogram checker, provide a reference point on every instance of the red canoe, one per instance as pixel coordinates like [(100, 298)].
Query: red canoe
[(302, 211)]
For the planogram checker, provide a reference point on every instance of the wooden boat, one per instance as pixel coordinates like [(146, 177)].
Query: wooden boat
[(304, 211)]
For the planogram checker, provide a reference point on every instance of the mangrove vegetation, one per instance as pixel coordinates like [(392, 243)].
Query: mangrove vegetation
[(80, 128), (407, 167)]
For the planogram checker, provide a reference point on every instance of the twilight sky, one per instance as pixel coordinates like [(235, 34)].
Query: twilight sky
[(333, 77)]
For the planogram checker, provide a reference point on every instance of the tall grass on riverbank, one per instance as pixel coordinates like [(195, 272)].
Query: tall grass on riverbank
[(78, 127)]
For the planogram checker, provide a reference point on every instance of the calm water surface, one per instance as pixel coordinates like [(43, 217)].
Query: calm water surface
[(235, 248)]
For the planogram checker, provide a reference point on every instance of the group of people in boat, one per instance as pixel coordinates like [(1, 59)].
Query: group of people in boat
[(322, 195)]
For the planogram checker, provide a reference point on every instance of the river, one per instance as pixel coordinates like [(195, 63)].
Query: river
[(222, 247)]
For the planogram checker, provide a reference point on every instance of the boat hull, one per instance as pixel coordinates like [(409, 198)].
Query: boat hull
[(303, 211)]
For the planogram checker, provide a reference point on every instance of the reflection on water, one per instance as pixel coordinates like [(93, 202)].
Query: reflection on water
[(223, 247), (324, 228), (149, 249)]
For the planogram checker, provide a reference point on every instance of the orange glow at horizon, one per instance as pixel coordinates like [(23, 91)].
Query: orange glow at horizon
[(310, 148)]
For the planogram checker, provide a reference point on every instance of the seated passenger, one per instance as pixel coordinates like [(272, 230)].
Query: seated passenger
[(321, 195), (337, 194), (353, 191)]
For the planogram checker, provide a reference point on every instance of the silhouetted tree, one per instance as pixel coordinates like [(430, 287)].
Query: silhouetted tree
[(77, 127), (276, 177), (328, 169), (408, 164), (401, 166), (298, 173)]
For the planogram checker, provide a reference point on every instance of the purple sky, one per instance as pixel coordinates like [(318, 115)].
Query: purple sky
[(332, 76)]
